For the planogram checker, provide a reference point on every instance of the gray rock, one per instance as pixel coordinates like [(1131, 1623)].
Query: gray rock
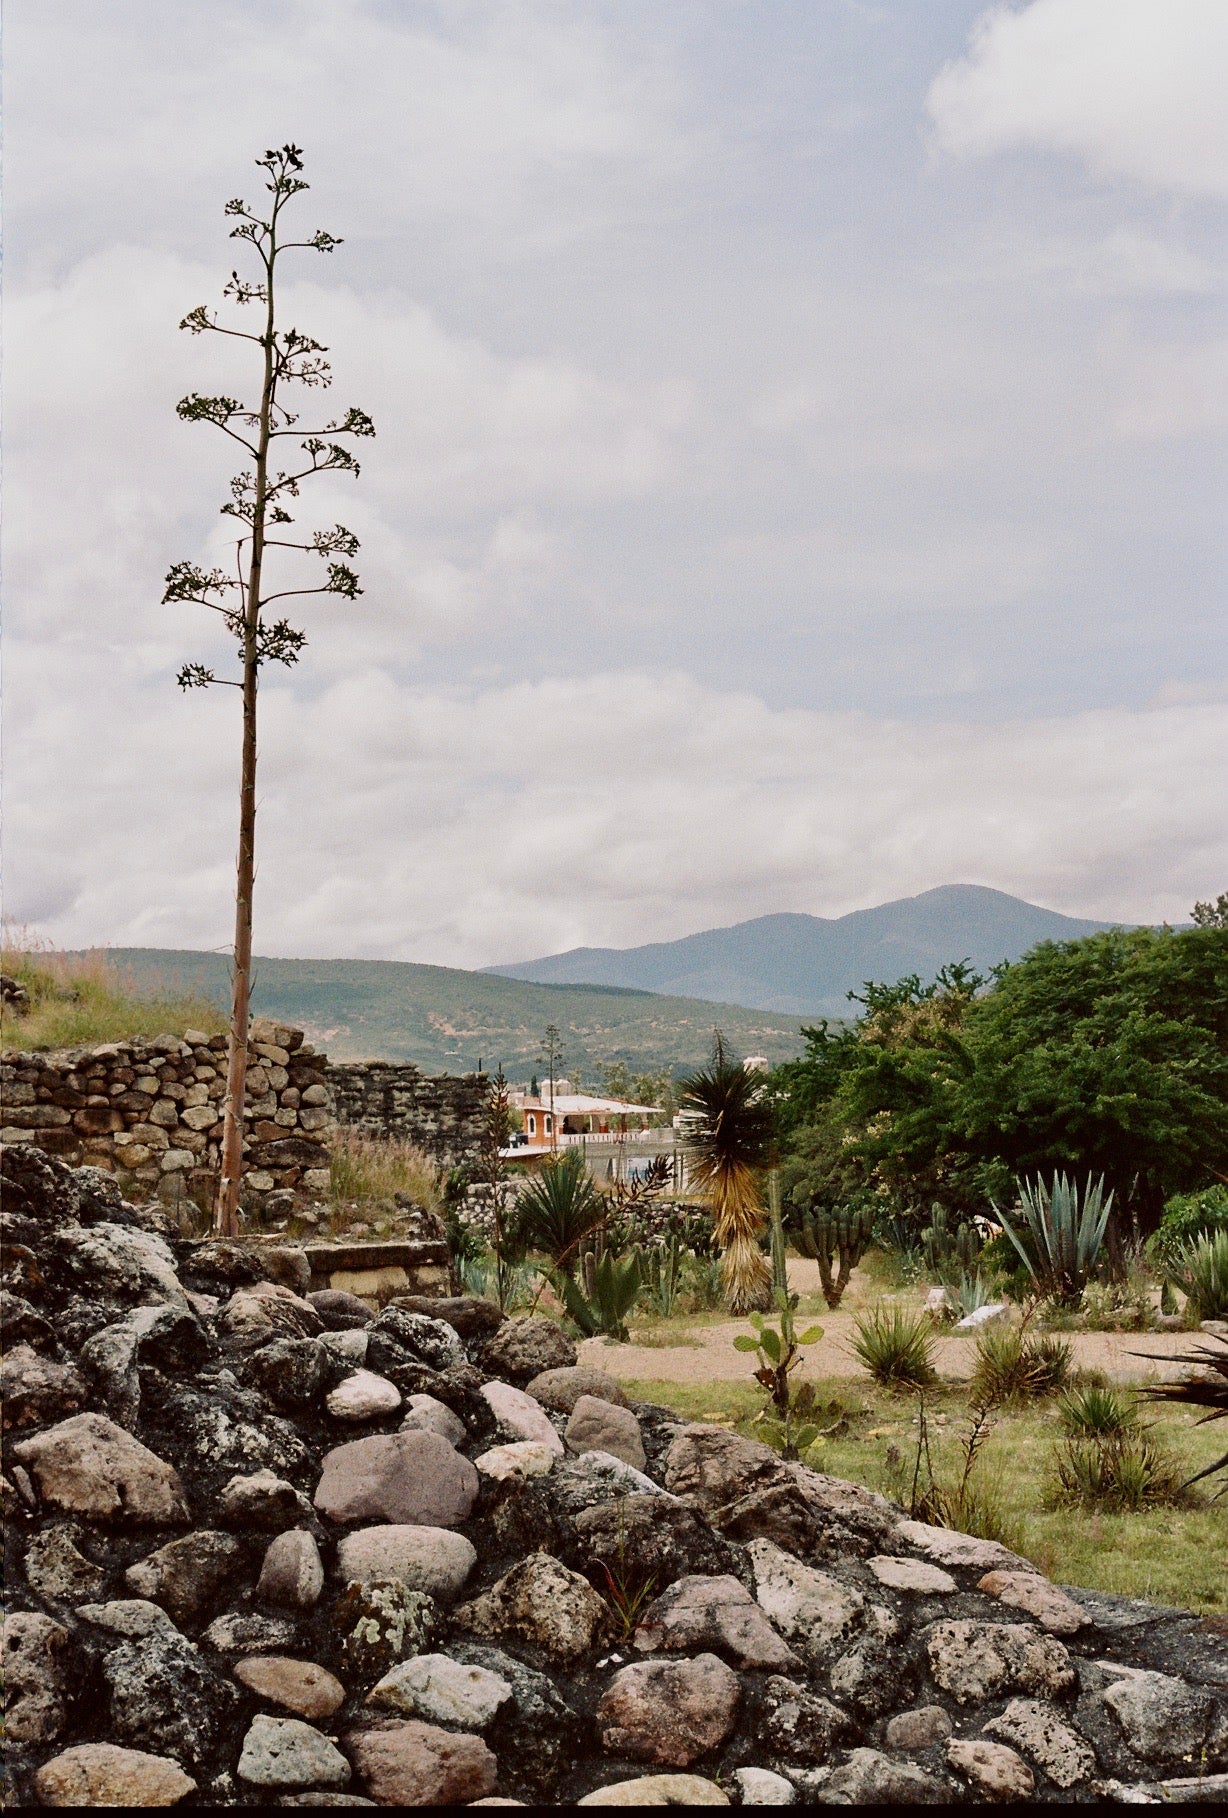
[(292, 1576), (165, 1698), (415, 1478), (433, 1560), (600, 1426), (519, 1458), (186, 1575), (285, 1752), (561, 1389), (35, 1389), (919, 1729), (652, 1537), (760, 1786), (811, 1608), (526, 1346), (293, 1372), (132, 1617), (351, 1344), (669, 1711), (35, 1659), (58, 1570), (543, 1604), (873, 1675), (798, 1724), (946, 1547), (433, 1341), (718, 1614), (653, 1789), (89, 1466), (1164, 1720), (976, 1661), (868, 1777), (426, 1414), (1047, 1740), (443, 1690), (915, 1575), (268, 1307), (245, 1632), (1029, 1592), (263, 1501)]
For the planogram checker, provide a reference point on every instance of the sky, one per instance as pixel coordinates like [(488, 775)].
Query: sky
[(799, 478)]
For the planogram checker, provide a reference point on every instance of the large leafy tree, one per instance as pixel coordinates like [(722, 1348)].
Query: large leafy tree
[(1107, 1055), (259, 501)]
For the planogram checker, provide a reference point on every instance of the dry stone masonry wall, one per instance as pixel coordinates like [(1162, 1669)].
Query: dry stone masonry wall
[(270, 1547), (442, 1114), (150, 1110)]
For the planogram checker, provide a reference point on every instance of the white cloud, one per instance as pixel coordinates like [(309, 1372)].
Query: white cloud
[(1133, 87), (473, 826)]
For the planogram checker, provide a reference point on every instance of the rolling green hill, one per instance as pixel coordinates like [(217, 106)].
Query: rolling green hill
[(446, 1020)]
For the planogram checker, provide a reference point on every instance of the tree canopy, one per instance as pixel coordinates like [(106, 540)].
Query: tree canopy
[(1105, 1055)]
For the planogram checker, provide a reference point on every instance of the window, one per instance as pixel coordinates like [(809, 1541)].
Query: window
[(532, 1122)]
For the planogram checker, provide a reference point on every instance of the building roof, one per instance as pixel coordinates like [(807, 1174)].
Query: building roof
[(583, 1104)]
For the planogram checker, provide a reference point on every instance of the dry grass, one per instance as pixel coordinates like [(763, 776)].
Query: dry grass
[(80, 999), (364, 1172)]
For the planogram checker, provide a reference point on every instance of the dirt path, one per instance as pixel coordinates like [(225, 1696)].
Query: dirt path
[(708, 1354)]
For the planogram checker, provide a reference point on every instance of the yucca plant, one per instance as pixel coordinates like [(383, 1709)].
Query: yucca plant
[(1200, 1270), (1127, 1470), (727, 1146), (1061, 1234), (896, 1347), (559, 1208), (1209, 1389)]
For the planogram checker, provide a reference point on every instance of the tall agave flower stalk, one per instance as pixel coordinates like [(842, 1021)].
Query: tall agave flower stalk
[(727, 1146)]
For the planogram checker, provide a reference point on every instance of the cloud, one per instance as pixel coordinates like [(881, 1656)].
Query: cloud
[(1135, 88), (469, 826)]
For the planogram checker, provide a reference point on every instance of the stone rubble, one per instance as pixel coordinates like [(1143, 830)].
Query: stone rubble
[(508, 1587)]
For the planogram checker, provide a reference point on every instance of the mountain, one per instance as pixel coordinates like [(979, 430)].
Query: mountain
[(804, 965), (446, 1020)]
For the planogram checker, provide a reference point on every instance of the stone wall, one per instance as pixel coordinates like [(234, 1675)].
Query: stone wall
[(442, 1114), (149, 1110)]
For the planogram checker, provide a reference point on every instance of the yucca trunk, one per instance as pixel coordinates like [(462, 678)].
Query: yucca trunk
[(737, 1220)]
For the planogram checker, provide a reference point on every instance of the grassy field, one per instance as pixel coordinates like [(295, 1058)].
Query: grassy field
[(80, 999), (1167, 1555)]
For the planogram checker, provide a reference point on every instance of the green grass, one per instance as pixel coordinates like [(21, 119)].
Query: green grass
[(80, 999), (1168, 1555)]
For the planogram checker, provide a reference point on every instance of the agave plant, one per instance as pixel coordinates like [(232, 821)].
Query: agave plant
[(729, 1139), (1207, 1390), (600, 1302), (1062, 1233), (1200, 1270), (559, 1208)]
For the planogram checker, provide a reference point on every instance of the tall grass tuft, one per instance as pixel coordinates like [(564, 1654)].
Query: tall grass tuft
[(77, 1000), (1125, 1470), (896, 1347), (1097, 1410), (1013, 1365), (363, 1169)]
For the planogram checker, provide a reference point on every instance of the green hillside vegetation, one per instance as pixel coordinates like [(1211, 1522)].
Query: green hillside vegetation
[(445, 1020)]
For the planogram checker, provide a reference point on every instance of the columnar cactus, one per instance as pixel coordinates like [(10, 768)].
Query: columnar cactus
[(837, 1240)]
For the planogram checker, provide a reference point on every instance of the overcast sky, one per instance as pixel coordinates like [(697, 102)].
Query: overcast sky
[(799, 481)]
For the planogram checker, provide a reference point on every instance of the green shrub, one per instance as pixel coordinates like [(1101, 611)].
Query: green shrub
[(896, 1347), (1187, 1216), (1125, 1470), (1000, 1262), (1012, 1364), (1200, 1270), (601, 1300), (1097, 1409), (1118, 1306)]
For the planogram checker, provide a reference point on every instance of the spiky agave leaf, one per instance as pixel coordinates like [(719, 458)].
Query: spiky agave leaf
[(1208, 1390)]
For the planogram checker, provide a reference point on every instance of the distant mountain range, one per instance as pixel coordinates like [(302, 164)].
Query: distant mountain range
[(805, 965), (446, 1020)]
